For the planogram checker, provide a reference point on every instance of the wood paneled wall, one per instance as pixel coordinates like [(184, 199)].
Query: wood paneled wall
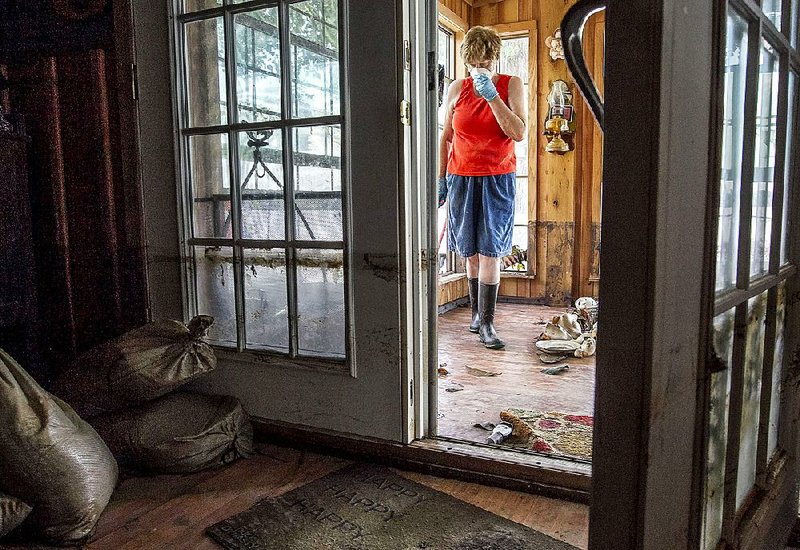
[(460, 8), (589, 171), (452, 288), (85, 200)]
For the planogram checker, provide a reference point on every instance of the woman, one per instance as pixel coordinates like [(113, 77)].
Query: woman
[(485, 115)]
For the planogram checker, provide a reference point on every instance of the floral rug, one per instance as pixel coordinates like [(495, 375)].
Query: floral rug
[(550, 432)]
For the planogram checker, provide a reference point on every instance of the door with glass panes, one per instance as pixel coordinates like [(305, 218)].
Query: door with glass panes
[(695, 443), (288, 181), (748, 388)]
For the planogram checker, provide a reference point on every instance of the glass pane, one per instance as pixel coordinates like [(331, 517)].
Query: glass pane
[(209, 174), (265, 306), (764, 162), (214, 279), (514, 58), (445, 59), (205, 72), (751, 397), (777, 372), (441, 233), (719, 403), (521, 203), (731, 173), (521, 147), (320, 303), (261, 173), (318, 183), (772, 9), (519, 252), (314, 53), (790, 168), (258, 65), (197, 5)]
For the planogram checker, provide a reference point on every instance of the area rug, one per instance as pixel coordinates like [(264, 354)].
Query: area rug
[(364, 507), (552, 433)]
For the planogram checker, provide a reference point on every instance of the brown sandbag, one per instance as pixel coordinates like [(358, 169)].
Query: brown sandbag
[(12, 512), (140, 365), (178, 433), (51, 459)]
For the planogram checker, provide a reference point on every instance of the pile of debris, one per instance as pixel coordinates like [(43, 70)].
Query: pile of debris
[(60, 470), (570, 334)]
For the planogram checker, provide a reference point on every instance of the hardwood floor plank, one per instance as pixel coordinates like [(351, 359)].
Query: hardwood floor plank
[(172, 512), (521, 384)]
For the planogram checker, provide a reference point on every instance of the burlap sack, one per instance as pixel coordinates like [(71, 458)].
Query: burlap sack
[(12, 512), (142, 364), (178, 433), (51, 459)]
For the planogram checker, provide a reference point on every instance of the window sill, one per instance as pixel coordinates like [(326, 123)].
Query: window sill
[(516, 275), (272, 359), (451, 277)]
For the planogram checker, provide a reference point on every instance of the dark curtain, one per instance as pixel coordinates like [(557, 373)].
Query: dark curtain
[(85, 209)]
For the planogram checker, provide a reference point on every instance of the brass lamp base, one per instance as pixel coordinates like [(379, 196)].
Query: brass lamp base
[(557, 145)]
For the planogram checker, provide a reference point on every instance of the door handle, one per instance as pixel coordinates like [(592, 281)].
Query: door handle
[(571, 35)]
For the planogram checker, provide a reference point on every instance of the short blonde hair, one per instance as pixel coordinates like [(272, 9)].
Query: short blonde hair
[(480, 44)]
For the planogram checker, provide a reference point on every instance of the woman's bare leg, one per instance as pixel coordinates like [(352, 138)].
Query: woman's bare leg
[(473, 267)]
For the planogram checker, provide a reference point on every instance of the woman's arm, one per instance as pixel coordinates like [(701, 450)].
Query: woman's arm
[(511, 117), (446, 139)]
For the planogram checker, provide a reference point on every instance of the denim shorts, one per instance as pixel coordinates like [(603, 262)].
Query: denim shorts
[(480, 214)]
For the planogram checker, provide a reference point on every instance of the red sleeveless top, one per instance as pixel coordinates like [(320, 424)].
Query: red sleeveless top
[(480, 147)]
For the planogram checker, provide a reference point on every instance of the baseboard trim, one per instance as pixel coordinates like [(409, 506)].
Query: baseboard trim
[(430, 458)]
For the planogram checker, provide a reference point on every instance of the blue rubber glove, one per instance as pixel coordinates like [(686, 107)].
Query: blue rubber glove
[(442, 187), (485, 87)]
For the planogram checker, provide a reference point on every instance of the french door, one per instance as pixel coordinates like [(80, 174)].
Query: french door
[(697, 406), (271, 149)]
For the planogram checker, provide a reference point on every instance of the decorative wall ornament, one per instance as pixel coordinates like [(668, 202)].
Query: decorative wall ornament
[(555, 45), (79, 9), (559, 126)]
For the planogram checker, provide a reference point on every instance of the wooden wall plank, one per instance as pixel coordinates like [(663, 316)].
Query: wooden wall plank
[(526, 10), (509, 11)]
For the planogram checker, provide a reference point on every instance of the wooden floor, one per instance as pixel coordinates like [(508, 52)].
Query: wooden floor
[(171, 512), (521, 384)]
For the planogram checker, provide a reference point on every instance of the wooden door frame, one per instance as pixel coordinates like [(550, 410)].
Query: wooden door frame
[(649, 423), (653, 273)]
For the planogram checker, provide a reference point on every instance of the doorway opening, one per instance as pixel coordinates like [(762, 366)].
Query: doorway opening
[(543, 381)]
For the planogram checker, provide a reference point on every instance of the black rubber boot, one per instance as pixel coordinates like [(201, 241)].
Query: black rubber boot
[(473, 301), (487, 302)]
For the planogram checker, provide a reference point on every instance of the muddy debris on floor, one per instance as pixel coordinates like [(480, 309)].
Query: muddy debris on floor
[(570, 334), (474, 371)]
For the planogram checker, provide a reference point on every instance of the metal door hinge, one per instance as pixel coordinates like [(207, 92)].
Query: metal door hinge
[(411, 390), (407, 55), (423, 260), (405, 112)]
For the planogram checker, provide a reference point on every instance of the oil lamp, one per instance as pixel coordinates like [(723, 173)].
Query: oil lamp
[(557, 124)]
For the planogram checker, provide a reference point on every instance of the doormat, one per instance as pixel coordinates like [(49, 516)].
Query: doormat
[(364, 507), (550, 432)]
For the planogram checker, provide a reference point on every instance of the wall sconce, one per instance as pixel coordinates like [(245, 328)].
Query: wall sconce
[(559, 127)]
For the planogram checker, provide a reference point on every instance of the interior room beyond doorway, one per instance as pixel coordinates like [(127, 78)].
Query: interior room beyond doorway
[(556, 243)]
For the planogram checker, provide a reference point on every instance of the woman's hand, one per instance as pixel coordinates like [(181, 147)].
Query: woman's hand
[(485, 87), (442, 190)]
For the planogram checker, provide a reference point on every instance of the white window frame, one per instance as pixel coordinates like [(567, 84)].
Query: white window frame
[(286, 124)]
